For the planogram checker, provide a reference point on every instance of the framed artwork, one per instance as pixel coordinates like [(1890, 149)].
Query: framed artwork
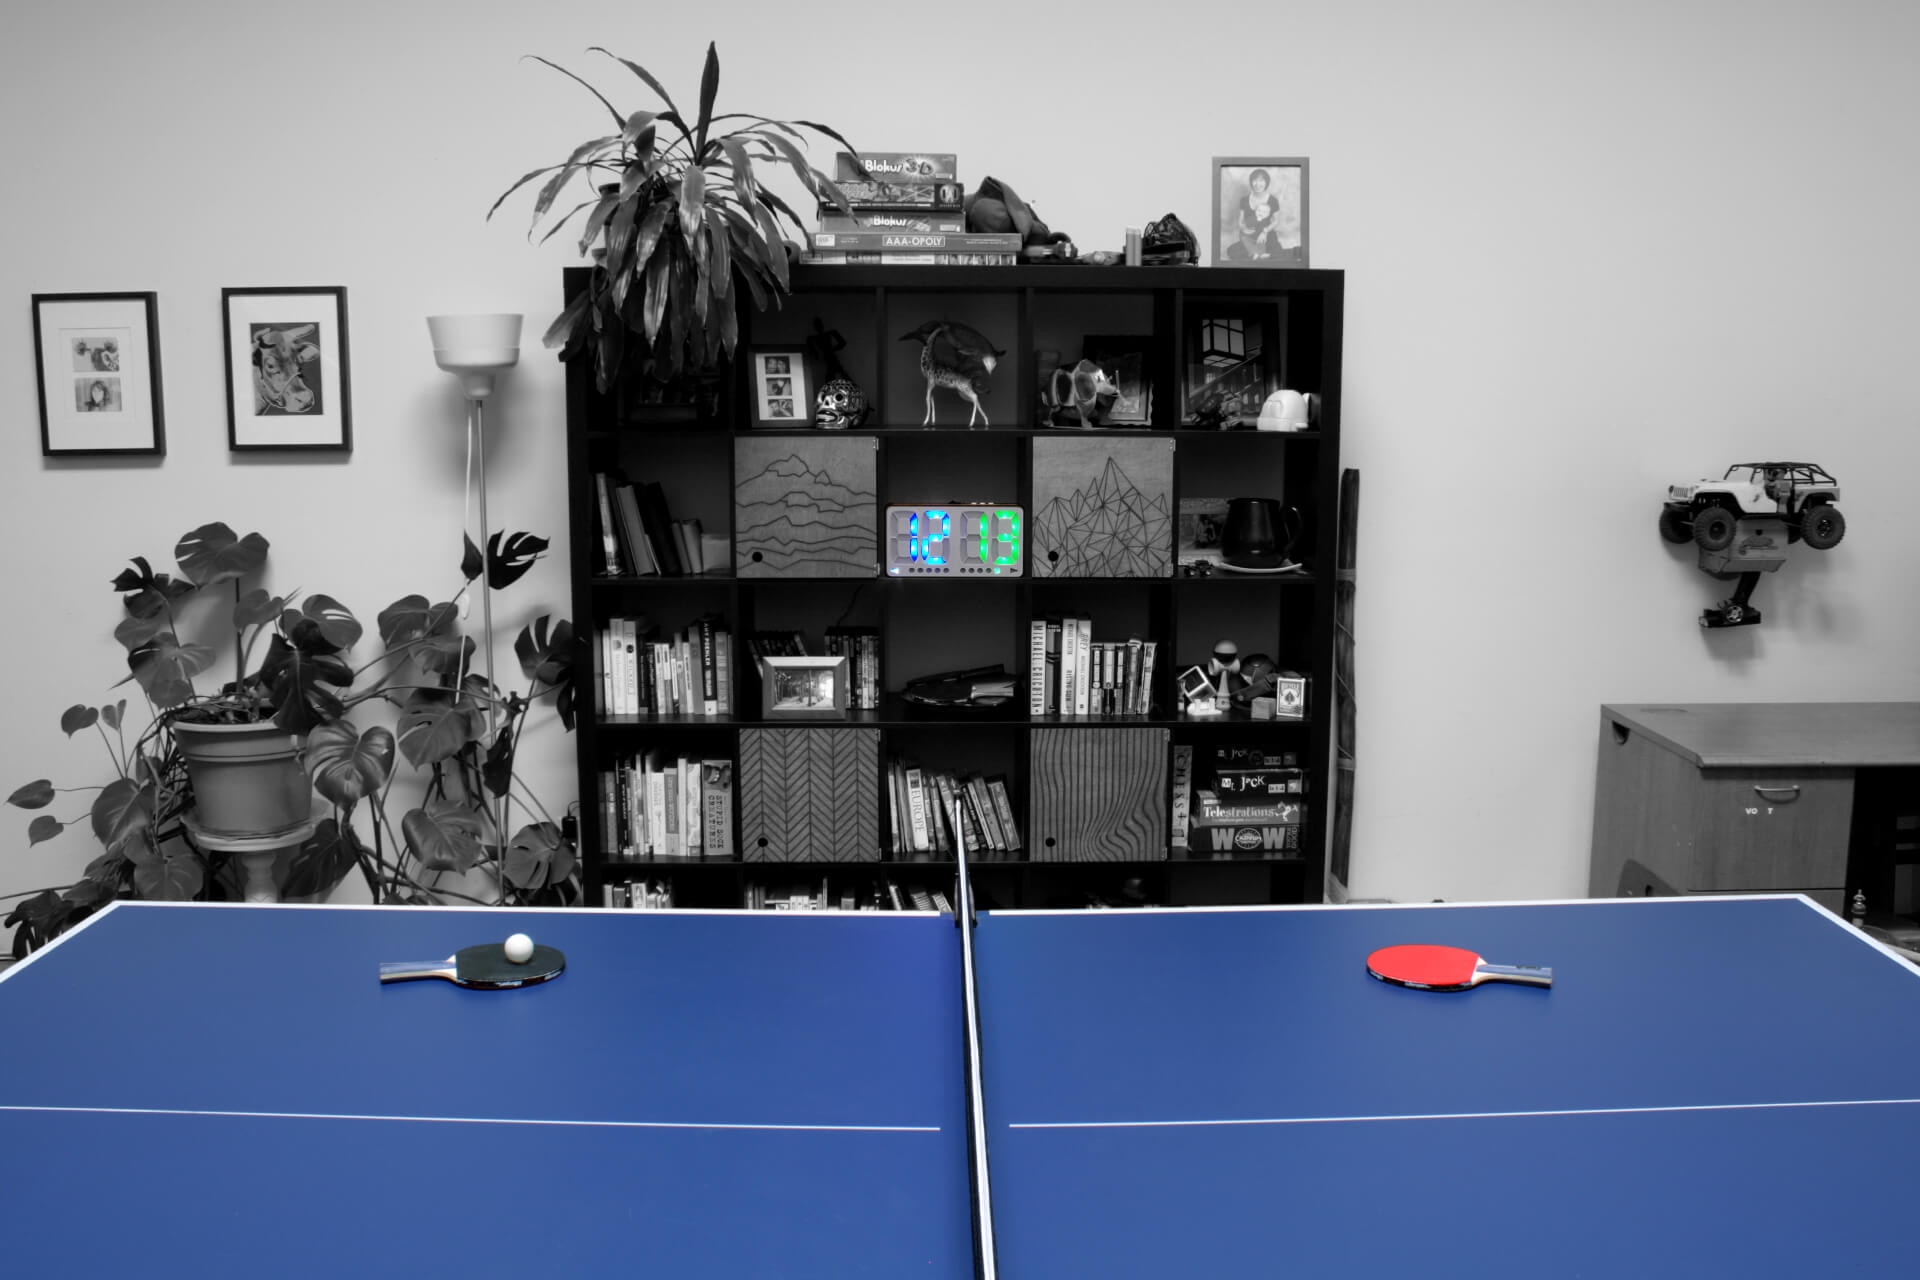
[(1233, 361), (1102, 507), (1259, 211), (780, 390), (803, 688), (1125, 361), (99, 360), (287, 379), (806, 506)]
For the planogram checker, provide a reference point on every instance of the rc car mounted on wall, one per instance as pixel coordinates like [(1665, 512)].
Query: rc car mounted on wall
[(1744, 521)]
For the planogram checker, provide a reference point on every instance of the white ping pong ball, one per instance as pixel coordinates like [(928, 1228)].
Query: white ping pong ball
[(519, 948)]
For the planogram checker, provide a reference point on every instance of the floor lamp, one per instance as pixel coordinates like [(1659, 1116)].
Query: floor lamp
[(477, 349)]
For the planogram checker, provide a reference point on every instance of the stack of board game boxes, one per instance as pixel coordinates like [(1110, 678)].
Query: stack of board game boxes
[(906, 210), (1236, 802)]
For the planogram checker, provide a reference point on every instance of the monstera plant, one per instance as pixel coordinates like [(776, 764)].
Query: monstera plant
[(458, 731), (684, 216)]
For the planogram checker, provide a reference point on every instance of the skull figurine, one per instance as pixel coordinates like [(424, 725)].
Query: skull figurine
[(840, 404)]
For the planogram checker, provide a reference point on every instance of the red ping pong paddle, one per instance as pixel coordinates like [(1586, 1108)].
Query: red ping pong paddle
[(484, 967), (1436, 968)]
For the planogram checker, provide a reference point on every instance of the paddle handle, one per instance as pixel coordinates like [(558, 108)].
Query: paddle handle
[(407, 971), (1531, 975)]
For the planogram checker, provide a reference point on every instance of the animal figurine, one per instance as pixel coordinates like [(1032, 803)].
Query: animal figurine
[(957, 356), (1084, 390)]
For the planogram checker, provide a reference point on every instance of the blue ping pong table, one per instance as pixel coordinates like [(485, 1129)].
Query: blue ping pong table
[(1712, 1087)]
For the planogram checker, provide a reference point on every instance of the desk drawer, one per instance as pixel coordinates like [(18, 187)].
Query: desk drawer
[(1772, 828)]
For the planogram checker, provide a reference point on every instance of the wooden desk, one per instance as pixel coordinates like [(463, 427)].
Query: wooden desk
[(1740, 796)]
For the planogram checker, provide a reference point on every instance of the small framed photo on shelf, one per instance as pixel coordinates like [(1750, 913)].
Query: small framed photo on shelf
[(1259, 211), (779, 389), (803, 688), (1124, 360), (99, 360), (1233, 362), (287, 381)]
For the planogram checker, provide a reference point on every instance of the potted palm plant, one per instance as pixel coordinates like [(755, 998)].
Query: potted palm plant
[(684, 216), (171, 827)]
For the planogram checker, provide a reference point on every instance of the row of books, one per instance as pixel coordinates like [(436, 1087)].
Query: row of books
[(922, 804), (1070, 673), (1236, 802), (638, 672), (661, 808), (907, 209), (865, 895), (639, 535), (638, 895)]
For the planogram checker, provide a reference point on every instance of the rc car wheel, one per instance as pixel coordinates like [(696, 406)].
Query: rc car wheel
[(1713, 528), (1674, 525), (1823, 526)]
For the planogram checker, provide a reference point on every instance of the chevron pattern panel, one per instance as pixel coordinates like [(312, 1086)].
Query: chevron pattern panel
[(1098, 795), (809, 795)]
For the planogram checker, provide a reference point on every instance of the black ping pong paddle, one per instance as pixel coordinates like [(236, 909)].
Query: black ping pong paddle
[(1436, 968), (484, 967)]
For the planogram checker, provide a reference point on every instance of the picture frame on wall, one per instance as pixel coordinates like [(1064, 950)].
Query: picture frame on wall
[(1259, 211), (803, 687), (780, 388), (98, 356), (288, 383)]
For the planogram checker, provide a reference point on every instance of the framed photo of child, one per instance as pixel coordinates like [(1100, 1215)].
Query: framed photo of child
[(1259, 211)]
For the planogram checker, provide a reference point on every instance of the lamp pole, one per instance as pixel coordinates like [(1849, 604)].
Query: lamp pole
[(476, 349)]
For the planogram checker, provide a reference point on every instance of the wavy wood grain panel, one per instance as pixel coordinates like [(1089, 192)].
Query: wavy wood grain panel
[(809, 795), (1097, 795), (804, 506)]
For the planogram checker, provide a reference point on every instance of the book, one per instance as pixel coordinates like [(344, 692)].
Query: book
[(1182, 785), (716, 799), (920, 840), (1083, 674), (1003, 809), (1069, 664), (1037, 667), (921, 220), (918, 241), (985, 813), (687, 539), (609, 538), (896, 166), (693, 808), (657, 520), (626, 510), (709, 670)]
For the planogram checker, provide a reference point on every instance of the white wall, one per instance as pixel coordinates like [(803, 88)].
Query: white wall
[(1591, 249)]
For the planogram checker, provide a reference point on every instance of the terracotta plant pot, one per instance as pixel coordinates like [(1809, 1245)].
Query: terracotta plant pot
[(247, 781)]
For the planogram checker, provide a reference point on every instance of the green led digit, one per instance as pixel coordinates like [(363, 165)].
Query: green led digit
[(1007, 525)]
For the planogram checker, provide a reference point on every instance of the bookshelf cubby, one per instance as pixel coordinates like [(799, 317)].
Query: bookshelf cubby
[(930, 626)]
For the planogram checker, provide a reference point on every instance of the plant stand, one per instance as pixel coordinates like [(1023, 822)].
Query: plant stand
[(256, 854), (250, 796)]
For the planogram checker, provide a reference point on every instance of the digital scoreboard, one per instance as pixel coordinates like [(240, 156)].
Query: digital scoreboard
[(954, 540)]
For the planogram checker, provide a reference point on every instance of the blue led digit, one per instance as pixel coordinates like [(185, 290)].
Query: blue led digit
[(940, 539)]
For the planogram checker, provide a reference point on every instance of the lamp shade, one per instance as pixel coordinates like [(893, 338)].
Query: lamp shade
[(475, 348)]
